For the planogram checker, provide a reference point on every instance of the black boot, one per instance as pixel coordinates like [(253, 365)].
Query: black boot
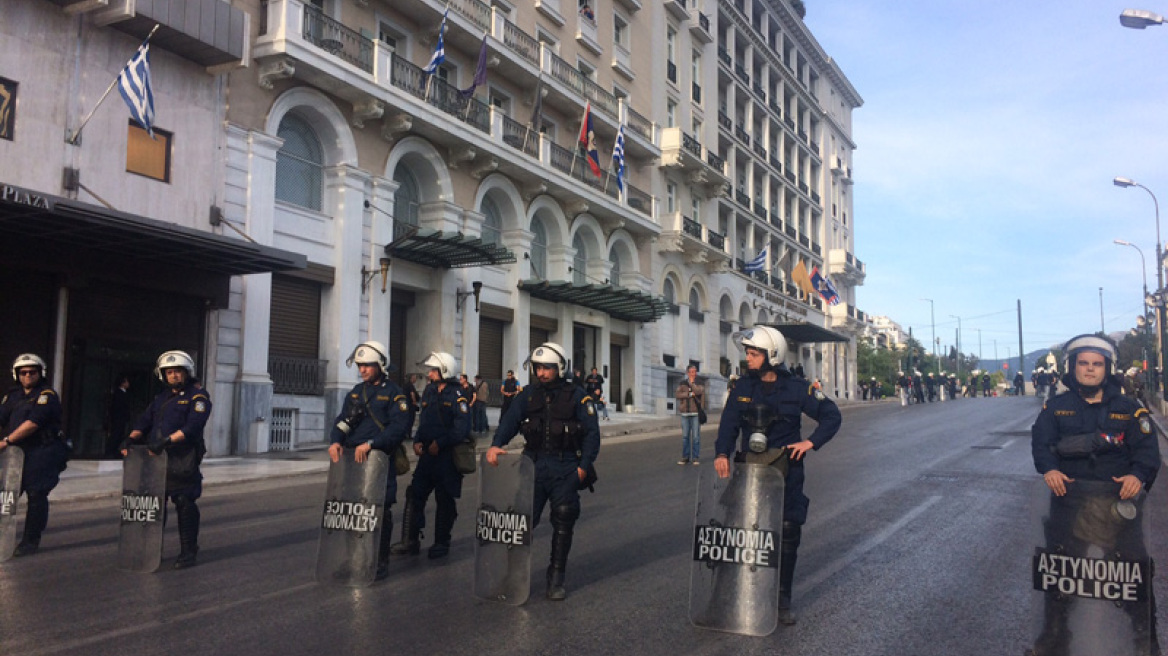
[(188, 532), (789, 552), (35, 521), (444, 516), (1055, 639), (383, 547), (563, 521), (411, 527)]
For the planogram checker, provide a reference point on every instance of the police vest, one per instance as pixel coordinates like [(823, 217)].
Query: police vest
[(551, 423)]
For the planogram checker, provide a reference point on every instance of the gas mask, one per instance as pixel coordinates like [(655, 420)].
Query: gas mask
[(759, 418)]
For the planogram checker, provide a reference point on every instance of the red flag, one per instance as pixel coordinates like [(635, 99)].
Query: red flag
[(587, 140)]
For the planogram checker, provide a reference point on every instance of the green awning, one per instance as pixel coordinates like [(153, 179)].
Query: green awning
[(617, 302), (439, 250)]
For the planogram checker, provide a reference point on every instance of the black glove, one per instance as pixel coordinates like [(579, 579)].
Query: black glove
[(158, 443), (349, 422)]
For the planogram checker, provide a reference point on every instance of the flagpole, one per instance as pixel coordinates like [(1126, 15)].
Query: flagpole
[(538, 107), (73, 137)]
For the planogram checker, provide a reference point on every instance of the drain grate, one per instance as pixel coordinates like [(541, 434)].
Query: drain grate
[(986, 447)]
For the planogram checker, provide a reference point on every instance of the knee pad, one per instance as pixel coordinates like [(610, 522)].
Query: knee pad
[(792, 533), (565, 514)]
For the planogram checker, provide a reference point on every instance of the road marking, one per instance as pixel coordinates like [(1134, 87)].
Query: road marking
[(867, 545)]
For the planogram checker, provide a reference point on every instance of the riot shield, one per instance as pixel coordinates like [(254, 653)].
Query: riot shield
[(143, 510), (734, 581), (503, 529), (1090, 572), (350, 526), (11, 469)]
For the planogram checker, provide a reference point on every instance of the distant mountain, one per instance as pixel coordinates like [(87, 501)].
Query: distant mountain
[(1029, 362)]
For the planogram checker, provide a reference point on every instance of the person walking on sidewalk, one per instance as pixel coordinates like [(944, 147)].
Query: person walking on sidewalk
[(481, 391), (691, 397)]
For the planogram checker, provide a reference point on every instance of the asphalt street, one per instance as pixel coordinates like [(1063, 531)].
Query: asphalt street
[(919, 541)]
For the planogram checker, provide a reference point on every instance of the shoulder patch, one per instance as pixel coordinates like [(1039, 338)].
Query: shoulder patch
[(819, 395), (589, 408), (402, 405), (200, 405), (43, 399), (587, 399), (462, 407), (1146, 425)]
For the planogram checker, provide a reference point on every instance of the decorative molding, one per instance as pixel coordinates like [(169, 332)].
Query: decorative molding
[(369, 108), (275, 69), (394, 125), (486, 168), (459, 154)]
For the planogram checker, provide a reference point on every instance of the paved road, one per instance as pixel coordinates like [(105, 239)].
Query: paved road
[(918, 543)]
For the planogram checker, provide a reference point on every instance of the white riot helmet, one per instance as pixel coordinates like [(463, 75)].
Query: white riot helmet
[(1093, 344), (548, 353), (174, 360), (370, 352), (27, 360), (766, 339), (443, 362)]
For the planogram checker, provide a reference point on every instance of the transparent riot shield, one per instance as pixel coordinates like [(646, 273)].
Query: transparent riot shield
[(11, 469), (734, 581), (143, 510), (1090, 572), (503, 529), (350, 525)]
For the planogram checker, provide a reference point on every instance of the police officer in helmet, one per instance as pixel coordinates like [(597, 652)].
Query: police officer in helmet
[(174, 423), (1121, 447), (444, 422), (558, 421), (770, 384), (30, 417), (374, 415)]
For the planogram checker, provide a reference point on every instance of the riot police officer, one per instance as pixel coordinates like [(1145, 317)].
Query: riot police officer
[(558, 421), (769, 383), (444, 422), (30, 417), (174, 422), (1120, 446), (375, 415), (903, 387)]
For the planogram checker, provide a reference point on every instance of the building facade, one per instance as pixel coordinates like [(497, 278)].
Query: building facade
[(344, 193)]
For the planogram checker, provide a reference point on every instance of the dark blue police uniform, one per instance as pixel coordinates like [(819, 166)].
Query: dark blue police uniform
[(444, 420), (386, 422), (790, 397), (186, 409), (45, 452)]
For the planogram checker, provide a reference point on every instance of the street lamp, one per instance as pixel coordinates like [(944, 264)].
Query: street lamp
[(958, 343), (1138, 19), (1127, 182), (1146, 326), (933, 323)]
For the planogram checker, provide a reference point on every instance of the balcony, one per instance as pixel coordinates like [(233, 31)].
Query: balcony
[(759, 92), (741, 134), (683, 151), (775, 108), (639, 200), (715, 239), (699, 26), (696, 92), (671, 72), (677, 9), (743, 198), (760, 210), (586, 34), (846, 318), (845, 268), (622, 61), (716, 161), (760, 151), (804, 242), (696, 242), (740, 71), (724, 57), (776, 164), (571, 76), (815, 197), (724, 121), (304, 376), (790, 231)]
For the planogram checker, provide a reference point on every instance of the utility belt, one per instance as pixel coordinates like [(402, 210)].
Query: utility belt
[(552, 454)]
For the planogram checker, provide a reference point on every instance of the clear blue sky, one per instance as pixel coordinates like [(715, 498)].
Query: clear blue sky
[(986, 148)]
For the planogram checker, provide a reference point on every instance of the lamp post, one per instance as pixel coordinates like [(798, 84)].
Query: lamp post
[(1147, 325), (1138, 19), (933, 323), (958, 344), (1126, 182)]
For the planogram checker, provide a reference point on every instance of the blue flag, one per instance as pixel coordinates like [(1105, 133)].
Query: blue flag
[(134, 85), (824, 287), (759, 261), (439, 55), (618, 158)]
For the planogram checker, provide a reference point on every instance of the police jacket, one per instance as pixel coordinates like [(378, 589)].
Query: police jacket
[(444, 417), (1124, 441), (385, 416), (790, 397), (186, 409), (40, 405), (903, 382), (557, 417)]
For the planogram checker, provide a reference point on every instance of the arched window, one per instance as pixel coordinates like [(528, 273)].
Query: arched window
[(579, 261), (408, 196), (492, 222), (299, 164), (614, 275), (667, 291), (538, 250), (695, 303)]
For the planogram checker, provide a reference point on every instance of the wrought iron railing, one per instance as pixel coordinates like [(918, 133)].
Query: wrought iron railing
[(716, 161), (691, 228), (337, 40), (520, 137), (639, 200), (297, 375), (692, 145), (715, 239)]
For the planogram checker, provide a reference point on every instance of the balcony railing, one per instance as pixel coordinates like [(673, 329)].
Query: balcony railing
[(716, 161), (725, 327), (803, 187), (725, 121), (520, 42), (742, 198), (601, 99), (724, 56), (790, 176), (816, 249), (441, 94), (776, 163), (759, 91), (776, 109), (671, 71), (696, 92), (639, 124), (740, 70), (760, 209), (639, 200), (520, 136), (704, 21), (717, 240), (697, 315), (563, 160), (760, 151), (789, 122), (691, 227), (804, 241), (337, 40), (297, 375), (815, 197), (742, 136), (691, 145), (790, 230)]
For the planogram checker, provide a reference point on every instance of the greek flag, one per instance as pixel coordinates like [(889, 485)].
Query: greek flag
[(759, 261), (134, 85), (439, 55), (618, 158)]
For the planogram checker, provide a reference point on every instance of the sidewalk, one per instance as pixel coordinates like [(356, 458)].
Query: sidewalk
[(95, 479)]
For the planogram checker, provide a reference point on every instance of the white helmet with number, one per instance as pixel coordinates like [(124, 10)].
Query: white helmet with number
[(548, 353), (1090, 343), (27, 360), (369, 352), (443, 362), (174, 360), (766, 339)]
